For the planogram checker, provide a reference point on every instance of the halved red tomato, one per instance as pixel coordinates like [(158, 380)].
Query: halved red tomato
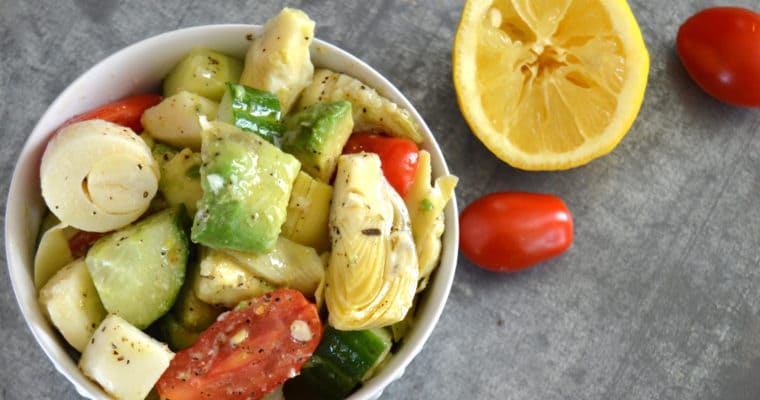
[(399, 157), (247, 352), (125, 112)]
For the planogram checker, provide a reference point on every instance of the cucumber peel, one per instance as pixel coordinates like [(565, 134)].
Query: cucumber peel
[(252, 110), (342, 360)]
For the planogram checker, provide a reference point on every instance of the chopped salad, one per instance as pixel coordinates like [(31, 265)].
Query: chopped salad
[(259, 229)]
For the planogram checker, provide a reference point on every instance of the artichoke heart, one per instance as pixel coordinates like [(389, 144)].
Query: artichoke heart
[(372, 112), (371, 278), (425, 201), (279, 61)]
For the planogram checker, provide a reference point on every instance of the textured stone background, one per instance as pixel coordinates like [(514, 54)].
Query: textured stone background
[(658, 297)]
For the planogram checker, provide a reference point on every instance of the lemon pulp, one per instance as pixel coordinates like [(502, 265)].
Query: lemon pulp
[(549, 84)]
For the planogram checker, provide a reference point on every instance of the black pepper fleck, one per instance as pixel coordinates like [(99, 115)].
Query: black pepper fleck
[(371, 232)]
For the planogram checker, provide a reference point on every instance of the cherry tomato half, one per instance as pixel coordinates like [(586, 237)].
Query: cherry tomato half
[(720, 49), (511, 231), (399, 157), (125, 112), (247, 352)]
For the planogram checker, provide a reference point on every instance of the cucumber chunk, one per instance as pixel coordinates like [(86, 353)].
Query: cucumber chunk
[(189, 316), (252, 110), (139, 270), (204, 72), (180, 181), (176, 335), (189, 310), (342, 360)]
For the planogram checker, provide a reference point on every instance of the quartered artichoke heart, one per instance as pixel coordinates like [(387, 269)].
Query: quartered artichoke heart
[(372, 274)]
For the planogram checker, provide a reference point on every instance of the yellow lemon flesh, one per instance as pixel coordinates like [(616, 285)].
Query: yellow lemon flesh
[(549, 84)]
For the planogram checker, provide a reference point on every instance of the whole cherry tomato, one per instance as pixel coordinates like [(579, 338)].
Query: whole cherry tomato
[(124, 112), (720, 49), (511, 231), (399, 157)]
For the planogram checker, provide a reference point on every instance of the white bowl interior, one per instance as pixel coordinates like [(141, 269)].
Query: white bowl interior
[(137, 69)]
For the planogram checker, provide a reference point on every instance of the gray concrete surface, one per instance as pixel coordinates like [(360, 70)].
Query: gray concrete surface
[(658, 298)]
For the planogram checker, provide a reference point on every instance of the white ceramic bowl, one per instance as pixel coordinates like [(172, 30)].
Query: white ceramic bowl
[(137, 69)]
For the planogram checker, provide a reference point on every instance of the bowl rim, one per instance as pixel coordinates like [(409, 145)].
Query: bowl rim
[(24, 205)]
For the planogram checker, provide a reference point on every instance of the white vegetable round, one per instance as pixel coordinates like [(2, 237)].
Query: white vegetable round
[(98, 176)]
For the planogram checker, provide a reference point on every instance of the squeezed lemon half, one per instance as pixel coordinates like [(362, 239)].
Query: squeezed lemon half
[(549, 84)]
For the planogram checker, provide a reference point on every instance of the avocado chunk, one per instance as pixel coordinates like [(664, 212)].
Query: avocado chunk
[(252, 110), (204, 72), (139, 270), (316, 136), (246, 184)]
